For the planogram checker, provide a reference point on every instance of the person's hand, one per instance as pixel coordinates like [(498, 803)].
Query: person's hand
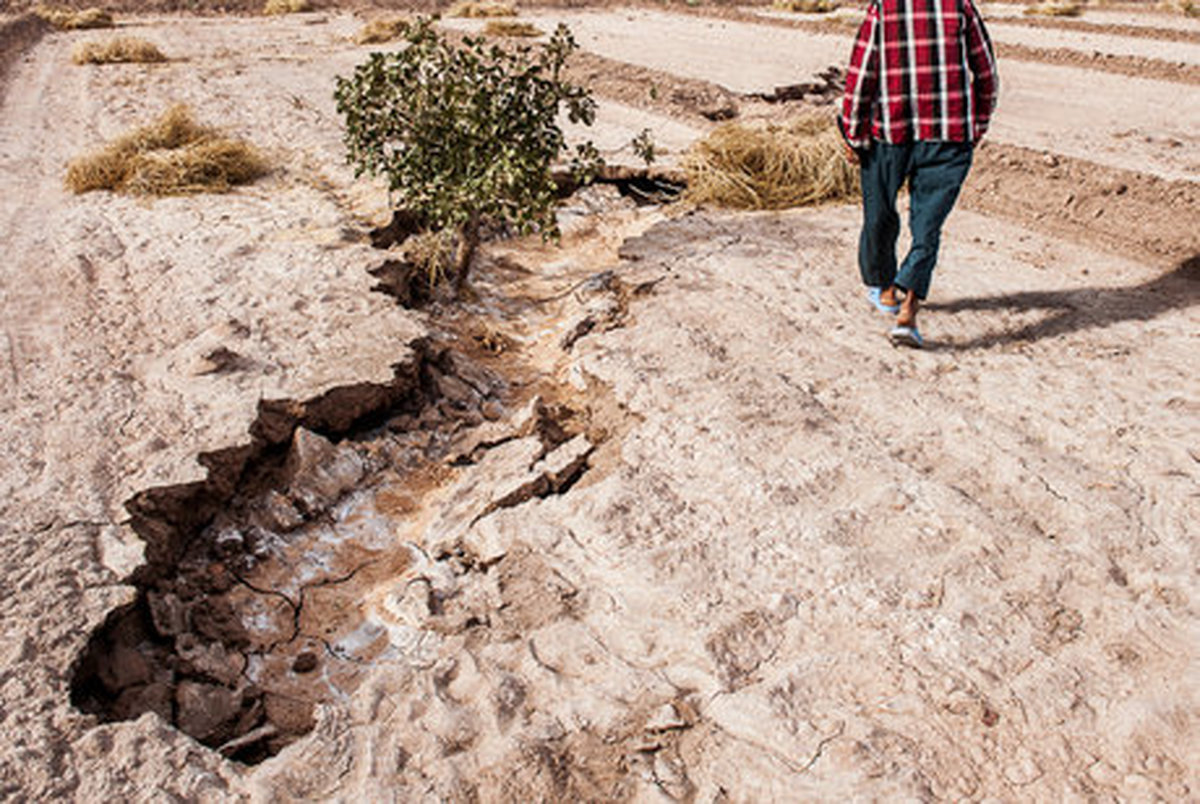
[(850, 154)]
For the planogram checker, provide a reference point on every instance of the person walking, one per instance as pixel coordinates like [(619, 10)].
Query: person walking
[(920, 92)]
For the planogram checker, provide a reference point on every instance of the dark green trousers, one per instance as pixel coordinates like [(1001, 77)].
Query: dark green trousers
[(935, 172)]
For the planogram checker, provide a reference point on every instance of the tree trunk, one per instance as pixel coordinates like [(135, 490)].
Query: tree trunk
[(468, 242)]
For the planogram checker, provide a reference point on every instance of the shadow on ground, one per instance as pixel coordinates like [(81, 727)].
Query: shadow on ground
[(1089, 308)]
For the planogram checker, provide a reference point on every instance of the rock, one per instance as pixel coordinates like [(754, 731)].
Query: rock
[(458, 393), (135, 701), (719, 110), (563, 465), (206, 710), (472, 446), (666, 718), (290, 715), (492, 410), (125, 667), (306, 662), (487, 540), (484, 382), (275, 512), (167, 613), (229, 542), (210, 660), (319, 471)]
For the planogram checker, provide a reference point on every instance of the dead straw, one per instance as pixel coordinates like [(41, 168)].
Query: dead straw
[(806, 6), (1070, 8), (381, 30), (121, 50), (277, 7), (770, 166), (173, 156), (511, 28), (69, 20), (481, 8)]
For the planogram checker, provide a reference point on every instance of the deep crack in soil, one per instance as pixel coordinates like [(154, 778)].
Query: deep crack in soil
[(278, 582)]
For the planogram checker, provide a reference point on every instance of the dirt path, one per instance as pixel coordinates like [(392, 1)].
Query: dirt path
[(1144, 22), (1153, 127), (1173, 46), (1101, 42)]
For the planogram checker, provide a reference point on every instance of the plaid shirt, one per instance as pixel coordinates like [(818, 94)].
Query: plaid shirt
[(920, 70)]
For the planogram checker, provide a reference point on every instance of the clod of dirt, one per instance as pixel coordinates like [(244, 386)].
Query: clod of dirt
[(403, 225), (405, 281), (827, 88)]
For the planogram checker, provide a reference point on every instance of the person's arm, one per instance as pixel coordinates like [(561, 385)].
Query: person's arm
[(862, 83), (981, 59)]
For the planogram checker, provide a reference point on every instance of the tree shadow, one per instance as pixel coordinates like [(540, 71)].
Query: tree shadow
[(1086, 308)]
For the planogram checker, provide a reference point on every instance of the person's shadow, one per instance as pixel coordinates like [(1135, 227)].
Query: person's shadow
[(1082, 309)]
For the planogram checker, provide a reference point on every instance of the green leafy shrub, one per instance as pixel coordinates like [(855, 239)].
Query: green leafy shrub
[(644, 147), (466, 133)]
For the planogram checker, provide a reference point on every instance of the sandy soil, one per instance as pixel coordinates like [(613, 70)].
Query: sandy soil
[(1145, 18), (1180, 52), (1008, 27), (740, 550), (1153, 126)]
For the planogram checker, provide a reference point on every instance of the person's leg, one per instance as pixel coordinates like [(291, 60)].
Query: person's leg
[(882, 170), (938, 171)]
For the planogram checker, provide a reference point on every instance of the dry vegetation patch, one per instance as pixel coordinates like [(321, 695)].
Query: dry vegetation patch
[(67, 19), (276, 7), (481, 8), (174, 155), (124, 49), (770, 166), (511, 28), (384, 29), (1055, 9), (806, 6)]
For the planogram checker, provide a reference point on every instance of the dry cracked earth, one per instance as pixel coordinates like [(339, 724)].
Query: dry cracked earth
[(657, 514)]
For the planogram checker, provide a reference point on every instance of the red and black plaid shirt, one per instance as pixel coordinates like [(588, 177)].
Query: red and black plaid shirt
[(920, 70)]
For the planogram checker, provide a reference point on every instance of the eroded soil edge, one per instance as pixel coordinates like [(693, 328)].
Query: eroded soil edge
[(337, 539)]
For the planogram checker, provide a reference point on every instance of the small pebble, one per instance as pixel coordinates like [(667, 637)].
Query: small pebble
[(305, 662), (492, 410)]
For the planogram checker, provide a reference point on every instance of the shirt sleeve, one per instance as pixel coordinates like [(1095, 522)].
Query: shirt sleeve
[(862, 83), (985, 82)]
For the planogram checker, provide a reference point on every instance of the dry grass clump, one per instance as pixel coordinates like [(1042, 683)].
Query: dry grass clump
[(384, 29), (123, 49), (1188, 8), (481, 8), (69, 20), (174, 155), (770, 167), (511, 28), (806, 6), (276, 7), (1069, 8)]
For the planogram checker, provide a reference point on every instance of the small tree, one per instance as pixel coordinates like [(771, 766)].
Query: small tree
[(466, 132)]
